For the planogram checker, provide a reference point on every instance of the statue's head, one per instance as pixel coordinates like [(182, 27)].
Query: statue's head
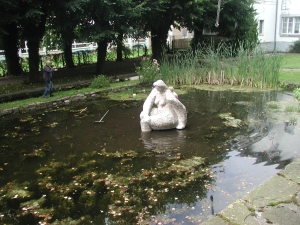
[(160, 85)]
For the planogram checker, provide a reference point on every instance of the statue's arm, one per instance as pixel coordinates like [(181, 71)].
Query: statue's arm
[(148, 104), (179, 109), (175, 102)]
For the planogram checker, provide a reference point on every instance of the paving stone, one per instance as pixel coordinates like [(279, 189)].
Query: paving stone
[(238, 213), (215, 221), (282, 214), (276, 189), (291, 171), (298, 198)]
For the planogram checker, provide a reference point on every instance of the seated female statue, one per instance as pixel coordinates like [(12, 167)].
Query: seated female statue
[(161, 110)]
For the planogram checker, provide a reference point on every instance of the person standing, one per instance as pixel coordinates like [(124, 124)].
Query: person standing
[(47, 76)]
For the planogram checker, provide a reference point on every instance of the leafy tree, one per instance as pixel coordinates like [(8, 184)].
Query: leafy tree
[(97, 28), (130, 24), (158, 22), (165, 13), (33, 29), (8, 12), (63, 21), (107, 21), (237, 21), (9, 35)]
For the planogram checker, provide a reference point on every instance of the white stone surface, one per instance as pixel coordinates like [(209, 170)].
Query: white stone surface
[(162, 111)]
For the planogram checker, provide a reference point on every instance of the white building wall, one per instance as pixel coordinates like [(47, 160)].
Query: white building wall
[(266, 12), (274, 34)]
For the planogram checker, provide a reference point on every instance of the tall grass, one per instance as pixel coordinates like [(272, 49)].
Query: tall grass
[(223, 64)]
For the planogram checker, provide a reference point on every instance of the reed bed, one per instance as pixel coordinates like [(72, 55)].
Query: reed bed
[(221, 65)]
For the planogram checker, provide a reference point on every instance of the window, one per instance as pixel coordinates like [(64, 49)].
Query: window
[(290, 25), (261, 27), (184, 33), (297, 25)]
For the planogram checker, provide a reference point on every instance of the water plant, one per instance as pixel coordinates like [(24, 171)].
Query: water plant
[(224, 64), (292, 108), (283, 85), (273, 105), (293, 120), (297, 93)]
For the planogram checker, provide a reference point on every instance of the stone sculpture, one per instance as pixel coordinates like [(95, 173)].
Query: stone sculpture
[(161, 110)]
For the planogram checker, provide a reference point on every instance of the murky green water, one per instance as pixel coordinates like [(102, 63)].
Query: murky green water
[(59, 166)]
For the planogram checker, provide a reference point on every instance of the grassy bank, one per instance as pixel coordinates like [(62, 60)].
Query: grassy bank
[(61, 94), (290, 68), (292, 76), (291, 61)]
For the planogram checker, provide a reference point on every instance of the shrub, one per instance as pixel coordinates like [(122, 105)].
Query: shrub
[(100, 82), (149, 71), (295, 48), (3, 68)]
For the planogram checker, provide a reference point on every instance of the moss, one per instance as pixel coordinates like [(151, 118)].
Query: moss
[(15, 191), (32, 205), (226, 219), (279, 202), (295, 201), (252, 210), (230, 121), (131, 93), (273, 203), (38, 152), (120, 154), (67, 221)]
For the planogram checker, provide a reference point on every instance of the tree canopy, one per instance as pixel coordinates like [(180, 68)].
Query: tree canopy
[(59, 22)]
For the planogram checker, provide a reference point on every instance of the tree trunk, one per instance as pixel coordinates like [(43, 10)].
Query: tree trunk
[(34, 59), (120, 47), (68, 54), (198, 34), (101, 54), (11, 43), (159, 41), (34, 30)]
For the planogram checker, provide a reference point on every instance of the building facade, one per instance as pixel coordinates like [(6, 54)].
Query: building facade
[(278, 23)]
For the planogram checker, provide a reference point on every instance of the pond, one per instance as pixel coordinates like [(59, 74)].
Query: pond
[(60, 167)]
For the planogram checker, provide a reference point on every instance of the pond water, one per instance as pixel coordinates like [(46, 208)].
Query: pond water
[(60, 167)]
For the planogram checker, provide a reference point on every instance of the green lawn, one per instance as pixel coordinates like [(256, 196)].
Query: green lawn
[(289, 76), (291, 61)]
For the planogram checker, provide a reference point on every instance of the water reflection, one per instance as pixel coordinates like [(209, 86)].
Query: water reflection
[(270, 133), (289, 127)]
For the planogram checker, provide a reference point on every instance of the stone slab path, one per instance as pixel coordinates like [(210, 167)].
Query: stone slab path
[(275, 201)]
